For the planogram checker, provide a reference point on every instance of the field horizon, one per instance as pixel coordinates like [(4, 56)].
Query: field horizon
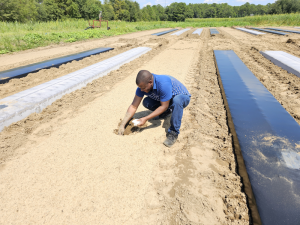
[(16, 36)]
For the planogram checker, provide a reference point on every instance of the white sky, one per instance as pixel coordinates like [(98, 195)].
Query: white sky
[(230, 2)]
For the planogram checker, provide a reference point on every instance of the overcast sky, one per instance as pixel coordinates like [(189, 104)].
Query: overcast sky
[(230, 2)]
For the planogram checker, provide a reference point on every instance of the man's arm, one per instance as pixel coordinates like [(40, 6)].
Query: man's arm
[(163, 107), (129, 114)]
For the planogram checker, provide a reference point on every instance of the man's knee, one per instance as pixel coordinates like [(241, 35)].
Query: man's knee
[(177, 100), (181, 100)]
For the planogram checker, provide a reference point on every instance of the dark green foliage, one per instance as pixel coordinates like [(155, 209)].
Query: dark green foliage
[(108, 12), (285, 6), (52, 10), (90, 9), (18, 10), (178, 12)]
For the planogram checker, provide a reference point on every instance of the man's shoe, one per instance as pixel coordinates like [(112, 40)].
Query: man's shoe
[(171, 139)]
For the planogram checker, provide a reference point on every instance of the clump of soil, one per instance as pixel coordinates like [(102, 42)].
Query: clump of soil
[(294, 42), (129, 127)]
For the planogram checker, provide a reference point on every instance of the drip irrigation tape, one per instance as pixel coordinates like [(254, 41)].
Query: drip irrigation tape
[(284, 60), (269, 31), (214, 31), (181, 31), (198, 31), (164, 32), (18, 106), (266, 139), (250, 31), (291, 31), (23, 71)]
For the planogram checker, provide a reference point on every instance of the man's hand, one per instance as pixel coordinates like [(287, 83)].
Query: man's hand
[(121, 130), (129, 114), (142, 121)]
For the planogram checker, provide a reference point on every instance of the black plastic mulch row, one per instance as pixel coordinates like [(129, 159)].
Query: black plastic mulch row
[(269, 31), (292, 31), (23, 71), (164, 32), (265, 139)]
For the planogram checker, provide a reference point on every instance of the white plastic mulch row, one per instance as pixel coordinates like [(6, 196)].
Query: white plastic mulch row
[(34, 100), (286, 61), (250, 31), (181, 31), (198, 31), (297, 27)]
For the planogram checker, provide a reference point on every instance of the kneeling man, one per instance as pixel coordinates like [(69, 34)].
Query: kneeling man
[(166, 95)]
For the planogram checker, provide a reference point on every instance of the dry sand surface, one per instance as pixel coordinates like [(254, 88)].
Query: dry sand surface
[(67, 166)]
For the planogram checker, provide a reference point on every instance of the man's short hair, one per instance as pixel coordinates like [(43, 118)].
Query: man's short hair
[(144, 76)]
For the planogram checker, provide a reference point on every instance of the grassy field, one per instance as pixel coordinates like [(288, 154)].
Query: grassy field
[(266, 20), (20, 36)]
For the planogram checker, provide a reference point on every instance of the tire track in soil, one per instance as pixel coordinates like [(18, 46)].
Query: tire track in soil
[(196, 180), (282, 85)]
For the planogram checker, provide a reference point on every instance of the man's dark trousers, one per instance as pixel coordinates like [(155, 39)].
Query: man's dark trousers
[(177, 104)]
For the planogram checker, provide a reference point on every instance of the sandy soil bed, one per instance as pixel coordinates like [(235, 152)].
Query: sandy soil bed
[(66, 165)]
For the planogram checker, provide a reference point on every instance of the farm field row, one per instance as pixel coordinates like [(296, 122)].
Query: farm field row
[(69, 166)]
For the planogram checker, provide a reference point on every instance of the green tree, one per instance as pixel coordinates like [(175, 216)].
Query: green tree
[(18, 10), (121, 10), (189, 13), (72, 9), (177, 11), (41, 12), (133, 9), (53, 10), (8, 10), (160, 12), (151, 13), (139, 13), (285, 6), (145, 14), (91, 9), (108, 12)]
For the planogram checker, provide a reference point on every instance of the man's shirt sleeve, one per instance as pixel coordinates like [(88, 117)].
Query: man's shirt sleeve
[(165, 90), (139, 92)]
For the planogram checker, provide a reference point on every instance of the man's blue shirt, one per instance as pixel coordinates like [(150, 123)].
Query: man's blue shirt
[(164, 88)]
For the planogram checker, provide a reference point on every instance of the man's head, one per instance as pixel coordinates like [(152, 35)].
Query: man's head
[(144, 80)]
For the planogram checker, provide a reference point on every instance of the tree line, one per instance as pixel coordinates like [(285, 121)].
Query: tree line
[(128, 10)]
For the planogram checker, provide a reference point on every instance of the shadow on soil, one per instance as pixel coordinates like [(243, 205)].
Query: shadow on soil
[(131, 129)]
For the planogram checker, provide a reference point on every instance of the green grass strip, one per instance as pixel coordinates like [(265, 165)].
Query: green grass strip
[(21, 36)]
